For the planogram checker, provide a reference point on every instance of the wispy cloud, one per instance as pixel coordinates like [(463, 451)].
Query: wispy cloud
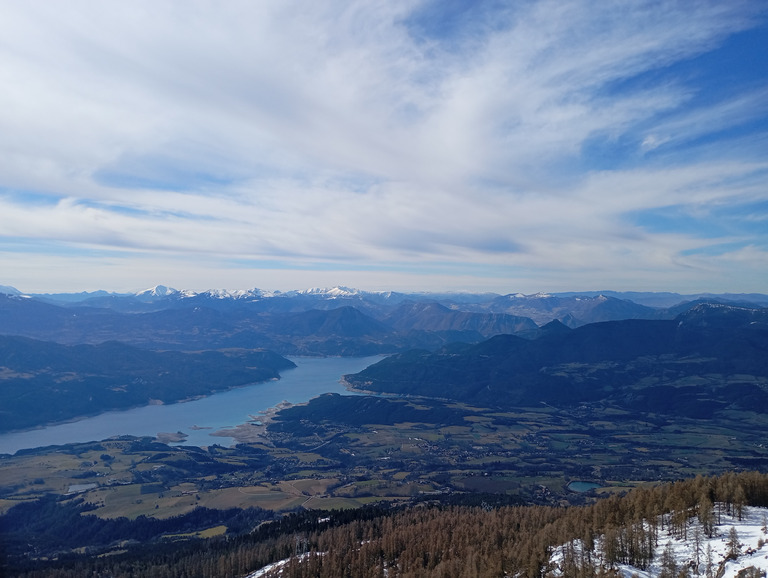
[(522, 140)]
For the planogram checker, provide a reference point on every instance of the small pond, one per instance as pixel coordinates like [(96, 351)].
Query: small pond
[(581, 487)]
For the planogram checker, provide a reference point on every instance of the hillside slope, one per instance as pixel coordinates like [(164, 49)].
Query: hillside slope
[(707, 359)]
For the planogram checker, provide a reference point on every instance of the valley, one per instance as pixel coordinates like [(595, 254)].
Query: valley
[(347, 451), (454, 456), (549, 416)]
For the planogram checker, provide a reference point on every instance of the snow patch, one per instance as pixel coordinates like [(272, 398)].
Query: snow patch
[(751, 531), (276, 568)]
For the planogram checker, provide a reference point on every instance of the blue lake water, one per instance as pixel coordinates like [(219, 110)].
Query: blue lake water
[(311, 377), (582, 486)]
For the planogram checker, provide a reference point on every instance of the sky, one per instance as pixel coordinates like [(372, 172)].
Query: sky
[(406, 145)]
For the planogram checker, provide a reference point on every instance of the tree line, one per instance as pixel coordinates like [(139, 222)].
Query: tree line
[(434, 540)]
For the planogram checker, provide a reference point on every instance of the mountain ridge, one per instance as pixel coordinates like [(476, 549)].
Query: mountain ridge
[(654, 299), (165, 318), (647, 365)]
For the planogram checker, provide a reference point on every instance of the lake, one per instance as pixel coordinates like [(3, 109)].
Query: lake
[(582, 486), (199, 418)]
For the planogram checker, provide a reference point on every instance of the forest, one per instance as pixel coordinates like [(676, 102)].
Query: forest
[(430, 538)]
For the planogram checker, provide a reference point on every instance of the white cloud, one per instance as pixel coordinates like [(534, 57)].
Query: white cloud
[(327, 132)]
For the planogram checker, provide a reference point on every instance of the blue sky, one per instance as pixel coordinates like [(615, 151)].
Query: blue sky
[(504, 146)]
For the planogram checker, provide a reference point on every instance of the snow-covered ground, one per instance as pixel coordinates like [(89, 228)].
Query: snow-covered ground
[(274, 569), (750, 530), (268, 569)]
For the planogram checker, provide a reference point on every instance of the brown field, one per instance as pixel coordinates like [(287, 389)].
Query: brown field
[(508, 452)]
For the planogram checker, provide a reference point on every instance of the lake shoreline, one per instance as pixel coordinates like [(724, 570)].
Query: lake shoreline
[(255, 430), (149, 403), (233, 410)]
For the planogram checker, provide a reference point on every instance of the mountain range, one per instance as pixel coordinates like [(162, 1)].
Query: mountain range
[(94, 352), (337, 321)]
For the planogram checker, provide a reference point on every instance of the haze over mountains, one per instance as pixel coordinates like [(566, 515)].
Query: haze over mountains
[(79, 354), (337, 321), (506, 394)]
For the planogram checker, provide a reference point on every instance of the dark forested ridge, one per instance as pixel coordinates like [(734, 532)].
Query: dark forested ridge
[(56, 526), (43, 382), (433, 540), (707, 359)]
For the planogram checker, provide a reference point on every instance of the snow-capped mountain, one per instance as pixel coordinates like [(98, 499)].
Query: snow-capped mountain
[(572, 309), (338, 291), (158, 291), (255, 293), (162, 292)]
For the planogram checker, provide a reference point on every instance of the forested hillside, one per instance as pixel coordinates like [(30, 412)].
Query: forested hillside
[(428, 540), (708, 359)]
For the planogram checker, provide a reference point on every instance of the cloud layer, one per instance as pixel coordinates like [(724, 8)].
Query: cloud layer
[(547, 145)]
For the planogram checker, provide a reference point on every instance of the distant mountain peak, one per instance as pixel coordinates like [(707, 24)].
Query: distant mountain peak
[(338, 291), (254, 293), (721, 315), (555, 326), (157, 291), (8, 290), (539, 295), (160, 291)]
